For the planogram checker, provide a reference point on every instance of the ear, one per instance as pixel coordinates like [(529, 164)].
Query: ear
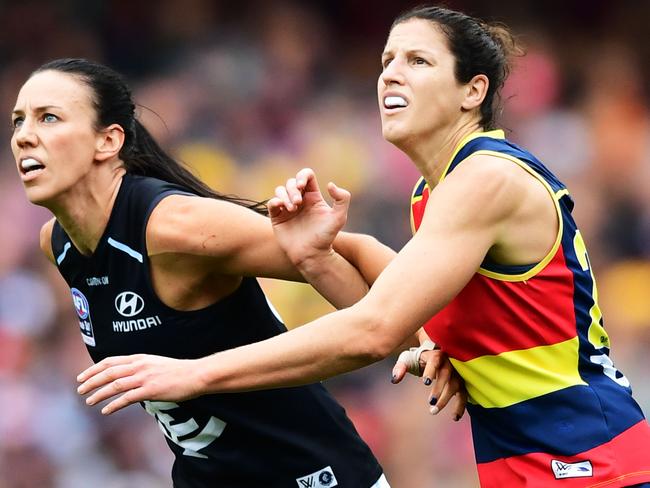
[(476, 89), (109, 142)]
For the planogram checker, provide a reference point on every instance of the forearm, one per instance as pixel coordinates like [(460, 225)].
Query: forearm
[(365, 253), (331, 345), (338, 281), (342, 276)]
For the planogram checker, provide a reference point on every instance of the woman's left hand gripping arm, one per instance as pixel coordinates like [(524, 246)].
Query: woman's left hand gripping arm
[(339, 265)]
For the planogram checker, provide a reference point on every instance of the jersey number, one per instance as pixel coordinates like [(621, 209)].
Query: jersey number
[(174, 431), (597, 335)]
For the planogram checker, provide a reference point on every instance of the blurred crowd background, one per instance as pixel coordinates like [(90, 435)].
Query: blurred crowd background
[(248, 92)]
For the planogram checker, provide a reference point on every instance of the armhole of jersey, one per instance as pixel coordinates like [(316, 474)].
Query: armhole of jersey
[(150, 208), (59, 252), (556, 196), (414, 199)]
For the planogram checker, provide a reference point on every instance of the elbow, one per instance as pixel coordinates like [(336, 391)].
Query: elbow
[(377, 340)]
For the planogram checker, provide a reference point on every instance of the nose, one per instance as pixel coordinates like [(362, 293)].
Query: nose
[(25, 135), (393, 73)]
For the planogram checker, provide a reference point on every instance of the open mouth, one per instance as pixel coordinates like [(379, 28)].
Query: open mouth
[(29, 165), (395, 101)]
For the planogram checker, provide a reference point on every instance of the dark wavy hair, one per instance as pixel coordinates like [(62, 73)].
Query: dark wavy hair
[(478, 48), (141, 154)]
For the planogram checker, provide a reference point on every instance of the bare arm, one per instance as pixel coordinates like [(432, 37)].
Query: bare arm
[(365, 252), (431, 269), (46, 240), (219, 238)]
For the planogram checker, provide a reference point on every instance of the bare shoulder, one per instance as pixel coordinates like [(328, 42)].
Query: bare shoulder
[(46, 239), (490, 172), (493, 185), (196, 225)]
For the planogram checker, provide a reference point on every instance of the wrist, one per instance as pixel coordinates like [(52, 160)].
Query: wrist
[(316, 261), (204, 375)]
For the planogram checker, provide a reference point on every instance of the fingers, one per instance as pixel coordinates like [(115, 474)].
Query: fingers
[(306, 180), (399, 371), (275, 207), (287, 198), (282, 193), (444, 389), (442, 379), (339, 195), (341, 199), (102, 365), (461, 404), (105, 377), (115, 387), (129, 398), (431, 361), (293, 192)]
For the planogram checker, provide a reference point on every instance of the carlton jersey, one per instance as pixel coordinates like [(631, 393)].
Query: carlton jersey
[(548, 407), (292, 437)]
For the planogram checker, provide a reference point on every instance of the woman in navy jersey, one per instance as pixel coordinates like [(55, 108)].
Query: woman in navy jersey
[(160, 264), (497, 267)]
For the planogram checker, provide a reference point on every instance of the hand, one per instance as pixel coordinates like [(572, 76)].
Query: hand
[(434, 364), (137, 378), (304, 224)]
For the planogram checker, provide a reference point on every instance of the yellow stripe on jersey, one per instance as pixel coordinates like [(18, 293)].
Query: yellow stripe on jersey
[(515, 376)]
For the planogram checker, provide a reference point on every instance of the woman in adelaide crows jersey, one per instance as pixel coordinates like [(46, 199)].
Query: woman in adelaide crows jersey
[(160, 264), (497, 270)]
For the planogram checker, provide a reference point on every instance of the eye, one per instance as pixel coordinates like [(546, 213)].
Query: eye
[(385, 62), (16, 122), (420, 61), (49, 118)]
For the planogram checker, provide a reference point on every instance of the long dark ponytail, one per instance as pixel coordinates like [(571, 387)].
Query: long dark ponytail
[(141, 154)]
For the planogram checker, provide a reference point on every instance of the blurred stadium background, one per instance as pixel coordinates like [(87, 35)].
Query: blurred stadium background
[(248, 92)]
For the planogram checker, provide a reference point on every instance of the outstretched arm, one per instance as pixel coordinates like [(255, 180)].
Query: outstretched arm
[(431, 269)]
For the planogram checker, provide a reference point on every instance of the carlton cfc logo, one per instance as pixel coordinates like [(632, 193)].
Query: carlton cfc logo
[(129, 304)]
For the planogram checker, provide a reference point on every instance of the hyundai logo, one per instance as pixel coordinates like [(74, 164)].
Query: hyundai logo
[(129, 303)]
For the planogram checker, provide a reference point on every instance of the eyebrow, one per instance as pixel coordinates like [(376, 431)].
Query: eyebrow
[(43, 108), (409, 51)]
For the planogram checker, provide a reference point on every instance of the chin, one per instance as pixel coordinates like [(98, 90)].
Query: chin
[(393, 135), (38, 195)]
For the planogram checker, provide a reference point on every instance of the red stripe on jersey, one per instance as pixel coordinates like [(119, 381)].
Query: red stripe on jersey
[(418, 202), (626, 453), (492, 316)]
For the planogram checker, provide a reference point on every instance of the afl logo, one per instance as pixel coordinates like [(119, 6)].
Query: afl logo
[(80, 304), (129, 303)]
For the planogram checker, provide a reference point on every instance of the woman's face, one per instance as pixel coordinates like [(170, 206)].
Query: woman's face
[(53, 139), (417, 89)]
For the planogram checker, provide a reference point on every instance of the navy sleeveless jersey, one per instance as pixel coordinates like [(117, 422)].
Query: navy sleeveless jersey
[(275, 438)]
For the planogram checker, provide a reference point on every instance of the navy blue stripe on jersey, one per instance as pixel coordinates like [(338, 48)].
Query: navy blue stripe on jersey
[(561, 432)]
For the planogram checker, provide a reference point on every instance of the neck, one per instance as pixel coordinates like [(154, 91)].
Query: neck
[(84, 210), (432, 154)]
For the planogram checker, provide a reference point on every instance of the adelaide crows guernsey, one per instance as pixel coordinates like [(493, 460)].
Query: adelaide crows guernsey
[(547, 406), (292, 437)]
